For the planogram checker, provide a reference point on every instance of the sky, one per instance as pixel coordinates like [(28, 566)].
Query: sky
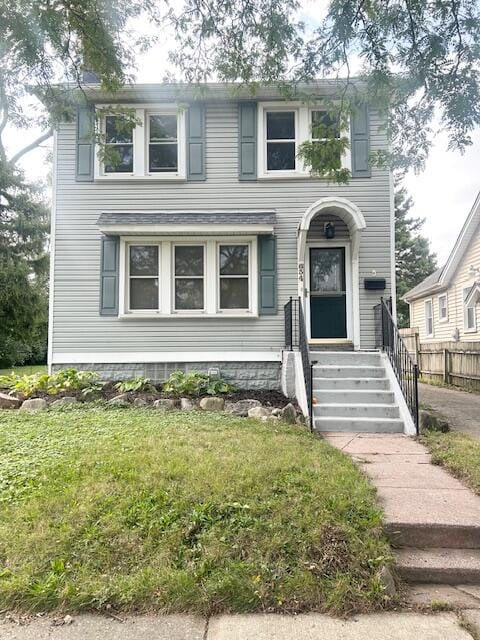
[(443, 193)]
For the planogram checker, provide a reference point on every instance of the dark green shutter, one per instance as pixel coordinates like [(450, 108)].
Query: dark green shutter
[(267, 276), (360, 142), (85, 147), (247, 141), (196, 142), (109, 276)]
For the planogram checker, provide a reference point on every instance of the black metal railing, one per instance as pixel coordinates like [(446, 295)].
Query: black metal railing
[(296, 338), (389, 340)]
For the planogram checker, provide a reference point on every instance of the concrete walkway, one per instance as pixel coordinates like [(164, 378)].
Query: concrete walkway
[(461, 409), (386, 626)]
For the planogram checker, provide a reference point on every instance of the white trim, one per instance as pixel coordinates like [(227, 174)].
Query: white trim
[(466, 306), (393, 275), (162, 229), (408, 424), (425, 302), (51, 288), (330, 244), (132, 357), (440, 319)]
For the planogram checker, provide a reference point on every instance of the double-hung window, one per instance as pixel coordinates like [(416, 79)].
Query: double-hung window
[(469, 319), (281, 145), (118, 145), (162, 143), (324, 128), (234, 276), (189, 270), (428, 318), (143, 277), (442, 308)]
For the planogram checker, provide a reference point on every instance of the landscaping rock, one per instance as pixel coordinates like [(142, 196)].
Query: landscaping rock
[(431, 421), (386, 580), (258, 412), (9, 402), (34, 404), (140, 402), (90, 396), (270, 418), (242, 407), (120, 400), (164, 404), (289, 413), (186, 404), (212, 404), (63, 402), (277, 412)]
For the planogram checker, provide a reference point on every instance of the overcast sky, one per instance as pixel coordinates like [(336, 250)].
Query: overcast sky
[(443, 194)]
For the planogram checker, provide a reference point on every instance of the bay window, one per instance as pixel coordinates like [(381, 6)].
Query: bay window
[(233, 273)]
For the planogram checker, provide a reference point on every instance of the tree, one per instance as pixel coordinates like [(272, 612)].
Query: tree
[(414, 260), (23, 270)]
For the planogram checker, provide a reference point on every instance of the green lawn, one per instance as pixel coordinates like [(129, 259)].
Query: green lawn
[(457, 452), (181, 512), (28, 370)]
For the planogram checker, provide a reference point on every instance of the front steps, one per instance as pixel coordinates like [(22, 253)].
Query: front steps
[(351, 393)]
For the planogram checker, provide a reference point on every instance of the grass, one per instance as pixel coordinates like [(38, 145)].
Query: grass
[(181, 512), (457, 452), (27, 370)]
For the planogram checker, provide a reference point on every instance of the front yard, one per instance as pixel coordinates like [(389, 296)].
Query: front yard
[(178, 511)]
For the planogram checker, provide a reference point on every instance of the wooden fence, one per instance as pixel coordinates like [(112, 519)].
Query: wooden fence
[(456, 363)]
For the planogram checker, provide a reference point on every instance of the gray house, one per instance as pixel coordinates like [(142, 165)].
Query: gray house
[(183, 252)]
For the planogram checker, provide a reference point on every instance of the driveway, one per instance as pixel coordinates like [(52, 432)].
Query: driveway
[(461, 409)]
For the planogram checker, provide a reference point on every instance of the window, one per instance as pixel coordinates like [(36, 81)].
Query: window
[(119, 145), (233, 272), (442, 308), (189, 277), (280, 140), (162, 143), (469, 319), (428, 318), (143, 277), (323, 128)]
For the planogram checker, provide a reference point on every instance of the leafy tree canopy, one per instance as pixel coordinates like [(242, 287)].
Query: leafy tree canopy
[(414, 260)]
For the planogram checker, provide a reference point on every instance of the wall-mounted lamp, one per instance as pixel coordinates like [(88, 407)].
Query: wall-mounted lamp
[(329, 230)]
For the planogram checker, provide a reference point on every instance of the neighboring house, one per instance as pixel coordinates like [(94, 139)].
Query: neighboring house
[(444, 306), (183, 253)]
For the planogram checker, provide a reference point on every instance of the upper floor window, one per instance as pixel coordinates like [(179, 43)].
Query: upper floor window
[(119, 145), (162, 143), (323, 128), (281, 140)]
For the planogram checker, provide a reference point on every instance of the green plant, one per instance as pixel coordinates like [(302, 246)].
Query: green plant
[(136, 384), (63, 380), (195, 384)]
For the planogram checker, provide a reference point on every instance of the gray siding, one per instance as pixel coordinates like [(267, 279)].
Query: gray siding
[(77, 325)]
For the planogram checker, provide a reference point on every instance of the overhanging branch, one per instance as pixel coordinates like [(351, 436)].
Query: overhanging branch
[(33, 145)]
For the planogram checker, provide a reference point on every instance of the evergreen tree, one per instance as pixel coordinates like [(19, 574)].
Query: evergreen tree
[(414, 260)]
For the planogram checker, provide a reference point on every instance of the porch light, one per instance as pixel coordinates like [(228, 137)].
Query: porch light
[(329, 230)]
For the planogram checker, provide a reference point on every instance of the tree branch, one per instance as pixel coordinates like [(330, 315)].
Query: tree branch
[(33, 145)]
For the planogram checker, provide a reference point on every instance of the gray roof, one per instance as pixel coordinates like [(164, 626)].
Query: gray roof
[(424, 286), (234, 217)]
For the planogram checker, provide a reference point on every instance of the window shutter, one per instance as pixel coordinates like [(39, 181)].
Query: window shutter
[(247, 141), (109, 276), (85, 147), (196, 142), (267, 276), (360, 142)]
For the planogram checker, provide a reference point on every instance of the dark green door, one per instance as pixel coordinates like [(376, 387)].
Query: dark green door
[(328, 298)]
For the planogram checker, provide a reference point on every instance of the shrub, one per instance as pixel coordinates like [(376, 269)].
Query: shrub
[(143, 385), (63, 380), (195, 384)]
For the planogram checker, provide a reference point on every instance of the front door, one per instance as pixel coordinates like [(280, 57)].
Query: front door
[(328, 298)]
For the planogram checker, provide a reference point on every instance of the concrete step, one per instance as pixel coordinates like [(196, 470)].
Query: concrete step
[(356, 410), (440, 566), (358, 425), (349, 396), (349, 358), (372, 384), (354, 371), (431, 535)]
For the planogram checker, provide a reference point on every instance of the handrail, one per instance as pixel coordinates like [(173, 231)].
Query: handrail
[(389, 340), (296, 338)]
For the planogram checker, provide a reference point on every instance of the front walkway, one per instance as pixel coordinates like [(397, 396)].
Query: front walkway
[(386, 626), (461, 409)]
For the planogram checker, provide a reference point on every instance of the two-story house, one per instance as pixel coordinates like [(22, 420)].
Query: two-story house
[(182, 253)]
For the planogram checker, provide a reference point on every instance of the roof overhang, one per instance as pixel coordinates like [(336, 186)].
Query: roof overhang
[(203, 223)]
